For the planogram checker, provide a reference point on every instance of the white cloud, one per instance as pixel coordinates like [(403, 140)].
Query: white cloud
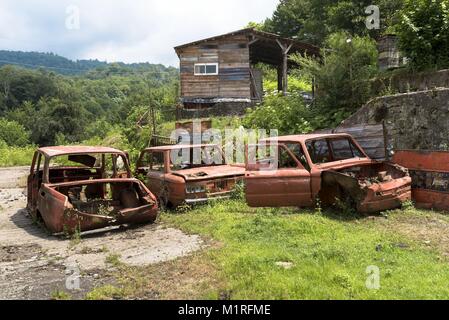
[(115, 30)]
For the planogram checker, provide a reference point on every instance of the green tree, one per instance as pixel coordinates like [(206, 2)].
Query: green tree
[(68, 109), (58, 117), (13, 133), (424, 33), (315, 20), (342, 78)]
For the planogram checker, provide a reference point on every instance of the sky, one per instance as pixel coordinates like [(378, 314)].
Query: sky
[(119, 30)]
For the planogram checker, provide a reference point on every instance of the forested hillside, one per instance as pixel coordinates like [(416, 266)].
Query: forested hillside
[(62, 65), (44, 108)]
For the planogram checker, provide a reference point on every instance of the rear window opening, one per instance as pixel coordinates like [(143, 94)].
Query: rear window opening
[(105, 199)]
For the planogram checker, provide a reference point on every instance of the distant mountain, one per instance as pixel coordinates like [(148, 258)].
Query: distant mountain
[(61, 65)]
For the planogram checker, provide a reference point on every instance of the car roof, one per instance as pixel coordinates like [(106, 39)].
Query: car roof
[(180, 146), (72, 150), (305, 137)]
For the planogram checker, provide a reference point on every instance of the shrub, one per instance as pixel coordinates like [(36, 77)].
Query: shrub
[(13, 133), (423, 33), (287, 114), (15, 156)]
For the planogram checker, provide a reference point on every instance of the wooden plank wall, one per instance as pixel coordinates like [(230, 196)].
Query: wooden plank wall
[(233, 80), (370, 137)]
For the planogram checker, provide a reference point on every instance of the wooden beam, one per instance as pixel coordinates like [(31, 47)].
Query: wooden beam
[(253, 41), (285, 74), (280, 45), (280, 79)]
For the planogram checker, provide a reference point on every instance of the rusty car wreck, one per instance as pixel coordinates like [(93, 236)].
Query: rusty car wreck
[(187, 182), (330, 168), (84, 188)]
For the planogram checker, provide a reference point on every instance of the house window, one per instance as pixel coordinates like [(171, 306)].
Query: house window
[(206, 69)]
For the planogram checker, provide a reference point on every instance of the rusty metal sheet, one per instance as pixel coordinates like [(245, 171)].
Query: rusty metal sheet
[(370, 137), (430, 175)]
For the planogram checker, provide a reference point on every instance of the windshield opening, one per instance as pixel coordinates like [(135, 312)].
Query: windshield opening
[(93, 166), (191, 158)]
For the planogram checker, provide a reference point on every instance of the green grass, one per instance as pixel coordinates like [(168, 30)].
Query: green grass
[(60, 295), (16, 156), (329, 254), (113, 260), (105, 293), (294, 84)]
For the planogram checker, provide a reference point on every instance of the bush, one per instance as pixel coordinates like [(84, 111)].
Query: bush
[(15, 156), (423, 33), (287, 114), (13, 133)]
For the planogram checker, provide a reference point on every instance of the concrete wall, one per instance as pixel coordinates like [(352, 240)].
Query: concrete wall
[(417, 120), (411, 82)]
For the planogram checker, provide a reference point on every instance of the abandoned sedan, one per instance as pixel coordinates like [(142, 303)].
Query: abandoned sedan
[(331, 168), (74, 189), (172, 173)]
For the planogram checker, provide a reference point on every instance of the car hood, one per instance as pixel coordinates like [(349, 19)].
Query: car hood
[(338, 165), (207, 173)]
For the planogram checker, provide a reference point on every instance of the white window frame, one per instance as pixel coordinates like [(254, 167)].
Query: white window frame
[(205, 65)]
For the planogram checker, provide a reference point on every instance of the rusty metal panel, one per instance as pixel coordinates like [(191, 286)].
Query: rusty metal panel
[(370, 137), (430, 175)]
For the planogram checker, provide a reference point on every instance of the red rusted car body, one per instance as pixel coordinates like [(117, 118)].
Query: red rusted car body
[(186, 183), (330, 168), (430, 175), (82, 188)]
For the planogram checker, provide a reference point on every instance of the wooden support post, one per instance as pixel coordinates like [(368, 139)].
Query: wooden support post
[(313, 88), (285, 74), (285, 51), (280, 79)]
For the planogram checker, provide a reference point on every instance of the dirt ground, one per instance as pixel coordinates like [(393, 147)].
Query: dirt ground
[(431, 229), (35, 265)]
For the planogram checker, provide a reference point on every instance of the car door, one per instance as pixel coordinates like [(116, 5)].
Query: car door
[(30, 182), (34, 181), (286, 184)]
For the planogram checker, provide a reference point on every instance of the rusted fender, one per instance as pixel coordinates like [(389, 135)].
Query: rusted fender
[(430, 177)]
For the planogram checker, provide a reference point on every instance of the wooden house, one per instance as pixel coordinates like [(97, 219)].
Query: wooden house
[(218, 74)]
